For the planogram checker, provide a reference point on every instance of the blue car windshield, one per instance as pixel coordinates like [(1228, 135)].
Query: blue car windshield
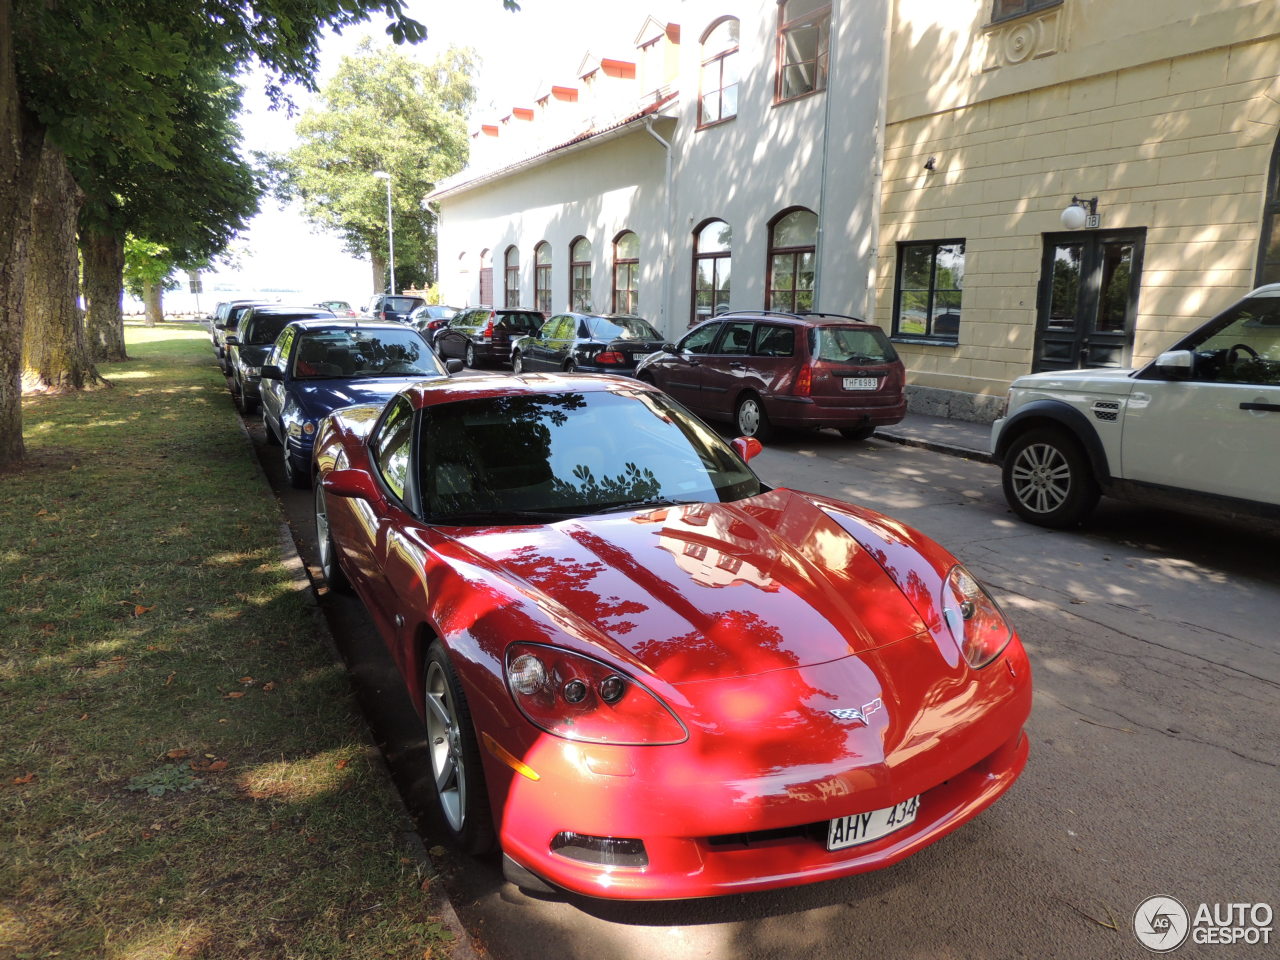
[(491, 460), (362, 353)]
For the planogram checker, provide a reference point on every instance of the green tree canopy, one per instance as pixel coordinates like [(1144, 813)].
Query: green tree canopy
[(383, 111)]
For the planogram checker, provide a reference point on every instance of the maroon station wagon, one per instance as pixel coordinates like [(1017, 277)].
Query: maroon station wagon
[(761, 369)]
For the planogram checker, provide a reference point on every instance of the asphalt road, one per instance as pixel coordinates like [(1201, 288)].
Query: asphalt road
[(1154, 738)]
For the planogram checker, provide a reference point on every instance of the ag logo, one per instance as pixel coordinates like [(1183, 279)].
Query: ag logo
[(1161, 924), (853, 713)]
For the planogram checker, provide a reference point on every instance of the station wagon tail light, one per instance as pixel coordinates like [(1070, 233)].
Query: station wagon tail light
[(488, 328), (974, 618), (579, 698), (804, 382), (610, 356)]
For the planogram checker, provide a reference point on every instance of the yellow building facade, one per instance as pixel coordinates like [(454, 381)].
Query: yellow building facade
[(1157, 121)]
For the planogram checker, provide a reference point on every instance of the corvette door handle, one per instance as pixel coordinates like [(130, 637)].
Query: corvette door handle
[(1272, 407)]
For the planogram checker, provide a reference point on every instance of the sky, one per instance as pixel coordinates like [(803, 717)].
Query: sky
[(544, 41)]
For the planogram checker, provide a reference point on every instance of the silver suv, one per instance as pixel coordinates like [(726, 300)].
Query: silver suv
[(1199, 426)]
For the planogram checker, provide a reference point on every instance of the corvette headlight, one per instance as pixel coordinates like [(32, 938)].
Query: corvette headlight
[(974, 618), (579, 698)]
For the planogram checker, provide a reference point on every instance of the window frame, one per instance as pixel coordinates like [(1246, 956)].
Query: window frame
[(511, 278), (821, 18), (929, 335), (718, 58), (542, 278), (579, 269), (1027, 6), (714, 257), (632, 265), (795, 252)]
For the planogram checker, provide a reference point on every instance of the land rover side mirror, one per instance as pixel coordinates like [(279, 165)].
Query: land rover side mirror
[(1176, 363)]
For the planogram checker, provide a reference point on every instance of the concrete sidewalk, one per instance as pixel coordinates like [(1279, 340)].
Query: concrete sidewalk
[(959, 438)]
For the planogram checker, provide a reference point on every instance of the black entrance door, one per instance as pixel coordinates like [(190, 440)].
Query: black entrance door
[(1088, 299)]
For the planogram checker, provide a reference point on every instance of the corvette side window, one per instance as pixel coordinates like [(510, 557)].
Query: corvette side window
[(391, 447)]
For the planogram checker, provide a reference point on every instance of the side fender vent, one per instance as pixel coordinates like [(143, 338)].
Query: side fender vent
[(1108, 411)]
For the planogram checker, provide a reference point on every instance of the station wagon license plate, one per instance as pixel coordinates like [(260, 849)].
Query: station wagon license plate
[(864, 827), (861, 383)]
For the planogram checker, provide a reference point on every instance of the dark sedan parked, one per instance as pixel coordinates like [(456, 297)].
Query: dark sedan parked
[(224, 324), (483, 335), (248, 347), (761, 369), (317, 366), (581, 341)]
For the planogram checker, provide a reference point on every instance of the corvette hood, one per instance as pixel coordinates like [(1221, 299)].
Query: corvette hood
[(319, 397), (706, 591)]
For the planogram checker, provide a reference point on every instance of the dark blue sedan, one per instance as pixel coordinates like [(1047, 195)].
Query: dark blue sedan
[(317, 366)]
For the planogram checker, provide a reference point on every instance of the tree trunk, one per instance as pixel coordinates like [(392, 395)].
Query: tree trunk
[(54, 357), (152, 303), (379, 273), (103, 256)]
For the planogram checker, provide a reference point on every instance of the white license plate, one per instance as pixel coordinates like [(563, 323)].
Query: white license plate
[(861, 383), (864, 827)]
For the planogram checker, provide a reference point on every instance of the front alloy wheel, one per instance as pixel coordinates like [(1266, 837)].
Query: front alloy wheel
[(1047, 479), (329, 569), (298, 479), (455, 755)]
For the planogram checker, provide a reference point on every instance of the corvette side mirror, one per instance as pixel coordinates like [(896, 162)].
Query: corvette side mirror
[(746, 447), (355, 484)]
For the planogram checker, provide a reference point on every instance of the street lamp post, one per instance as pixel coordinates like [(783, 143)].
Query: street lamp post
[(391, 236)]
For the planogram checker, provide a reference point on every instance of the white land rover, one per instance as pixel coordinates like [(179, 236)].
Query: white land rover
[(1198, 426)]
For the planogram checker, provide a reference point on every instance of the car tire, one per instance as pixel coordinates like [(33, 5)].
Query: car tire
[(456, 772), (646, 377), (1047, 479), (329, 567), (750, 418), (570, 367), (517, 363), (272, 439), (298, 479), (243, 403), (469, 356), (857, 433)]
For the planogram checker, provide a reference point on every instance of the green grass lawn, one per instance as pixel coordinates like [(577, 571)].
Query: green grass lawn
[(183, 772)]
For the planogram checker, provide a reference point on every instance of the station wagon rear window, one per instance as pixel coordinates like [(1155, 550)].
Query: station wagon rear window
[(851, 345)]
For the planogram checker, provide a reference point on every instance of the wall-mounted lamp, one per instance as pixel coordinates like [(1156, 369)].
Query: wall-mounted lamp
[(1075, 216), (931, 163)]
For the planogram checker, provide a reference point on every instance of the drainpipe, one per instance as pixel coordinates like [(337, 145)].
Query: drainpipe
[(826, 139), (666, 229)]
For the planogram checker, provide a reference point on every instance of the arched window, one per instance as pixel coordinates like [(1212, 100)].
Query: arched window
[(712, 260), (718, 81), (511, 273), (542, 277), (1269, 248), (580, 275), (793, 242), (626, 272), (804, 28)]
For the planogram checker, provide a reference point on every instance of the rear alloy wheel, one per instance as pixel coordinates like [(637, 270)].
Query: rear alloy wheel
[(455, 756), (272, 439), (470, 356), (751, 418), (857, 433), (329, 569), (517, 363), (1047, 479), (243, 403)]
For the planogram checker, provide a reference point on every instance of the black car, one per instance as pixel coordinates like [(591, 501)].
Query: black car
[(430, 318), (484, 335), (225, 319), (613, 343), (248, 347), (393, 306)]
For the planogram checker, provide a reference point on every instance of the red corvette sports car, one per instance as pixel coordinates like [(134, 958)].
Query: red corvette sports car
[(644, 673)]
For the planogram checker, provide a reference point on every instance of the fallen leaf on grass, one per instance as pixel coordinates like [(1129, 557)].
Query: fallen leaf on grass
[(95, 835), (269, 686), (168, 681), (139, 609), (42, 512), (209, 766), (178, 754), (245, 680), (233, 695), (342, 764), (29, 778)]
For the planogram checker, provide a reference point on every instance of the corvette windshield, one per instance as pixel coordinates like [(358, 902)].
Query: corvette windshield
[(525, 458), (360, 353)]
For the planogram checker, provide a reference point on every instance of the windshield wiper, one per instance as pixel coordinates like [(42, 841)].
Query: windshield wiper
[(639, 504)]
